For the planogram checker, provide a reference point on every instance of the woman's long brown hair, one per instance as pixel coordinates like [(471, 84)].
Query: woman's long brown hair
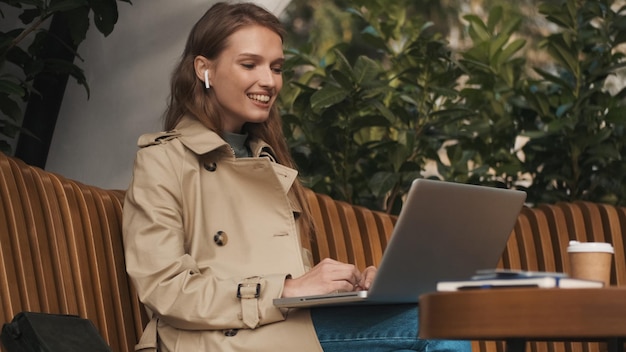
[(188, 96)]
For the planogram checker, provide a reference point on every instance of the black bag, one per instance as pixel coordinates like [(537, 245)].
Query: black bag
[(43, 332)]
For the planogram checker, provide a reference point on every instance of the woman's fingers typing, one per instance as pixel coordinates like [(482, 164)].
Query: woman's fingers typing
[(367, 277), (327, 276)]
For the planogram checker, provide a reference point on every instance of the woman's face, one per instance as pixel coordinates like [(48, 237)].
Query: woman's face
[(247, 76)]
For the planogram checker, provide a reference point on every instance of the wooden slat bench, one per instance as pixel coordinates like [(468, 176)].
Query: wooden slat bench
[(61, 248)]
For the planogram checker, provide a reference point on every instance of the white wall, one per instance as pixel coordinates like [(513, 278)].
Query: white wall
[(128, 73)]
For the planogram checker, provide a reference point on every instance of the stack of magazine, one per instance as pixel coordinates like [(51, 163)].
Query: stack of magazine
[(506, 278)]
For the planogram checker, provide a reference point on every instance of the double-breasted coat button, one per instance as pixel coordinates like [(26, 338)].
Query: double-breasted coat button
[(210, 166), (220, 238), (230, 332)]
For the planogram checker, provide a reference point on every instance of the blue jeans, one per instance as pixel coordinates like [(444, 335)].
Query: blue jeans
[(380, 328)]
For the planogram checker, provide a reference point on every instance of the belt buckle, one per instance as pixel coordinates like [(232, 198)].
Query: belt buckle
[(257, 290)]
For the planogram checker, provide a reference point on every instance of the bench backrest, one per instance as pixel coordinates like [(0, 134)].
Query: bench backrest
[(61, 248), (61, 252)]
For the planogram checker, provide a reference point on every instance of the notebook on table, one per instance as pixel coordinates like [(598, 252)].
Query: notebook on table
[(445, 231)]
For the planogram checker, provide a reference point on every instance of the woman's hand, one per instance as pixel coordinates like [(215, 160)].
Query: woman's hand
[(367, 277), (328, 276)]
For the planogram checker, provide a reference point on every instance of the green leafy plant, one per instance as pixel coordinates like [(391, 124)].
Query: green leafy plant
[(23, 54), (367, 117), (575, 120), (362, 127), (481, 150)]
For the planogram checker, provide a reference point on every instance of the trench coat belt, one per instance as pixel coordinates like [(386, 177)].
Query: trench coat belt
[(248, 292), (148, 341)]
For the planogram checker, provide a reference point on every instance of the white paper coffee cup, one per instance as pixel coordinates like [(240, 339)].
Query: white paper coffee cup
[(591, 260)]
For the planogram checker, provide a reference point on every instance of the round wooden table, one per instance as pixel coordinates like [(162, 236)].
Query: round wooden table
[(526, 314)]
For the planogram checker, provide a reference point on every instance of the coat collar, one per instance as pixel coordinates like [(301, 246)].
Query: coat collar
[(201, 140)]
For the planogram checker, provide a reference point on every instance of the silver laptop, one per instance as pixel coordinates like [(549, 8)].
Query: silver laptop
[(445, 231)]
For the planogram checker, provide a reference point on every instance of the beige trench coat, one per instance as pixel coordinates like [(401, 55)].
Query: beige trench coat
[(201, 227)]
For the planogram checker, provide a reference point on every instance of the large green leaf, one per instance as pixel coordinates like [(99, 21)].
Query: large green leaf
[(564, 54), (327, 96), (9, 108), (477, 29), (78, 23), (104, 14), (29, 15), (365, 69), (11, 88), (382, 182), (510, 50), (554, 13), (495, 16)]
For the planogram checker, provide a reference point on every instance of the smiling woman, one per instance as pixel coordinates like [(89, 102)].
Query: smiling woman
[(215, 217)]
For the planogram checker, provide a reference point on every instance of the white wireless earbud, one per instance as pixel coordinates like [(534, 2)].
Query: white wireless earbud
[(206, 79)]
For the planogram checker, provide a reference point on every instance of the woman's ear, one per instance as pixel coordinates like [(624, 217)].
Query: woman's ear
[(202, 67)]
